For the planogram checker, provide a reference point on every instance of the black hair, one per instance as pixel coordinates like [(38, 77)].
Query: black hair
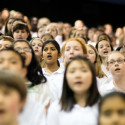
[(67, 99), (13, 50), (8, 33), (35, 74), (55, 43), (110, 95), (22, 25)]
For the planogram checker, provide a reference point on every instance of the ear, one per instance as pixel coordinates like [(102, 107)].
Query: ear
[(107, 68), (24, 72), (22, 104), (59, 55)]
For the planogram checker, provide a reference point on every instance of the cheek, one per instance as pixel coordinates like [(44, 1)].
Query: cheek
[(14, 106)]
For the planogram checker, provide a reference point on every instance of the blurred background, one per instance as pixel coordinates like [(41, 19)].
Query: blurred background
[(92, 12)]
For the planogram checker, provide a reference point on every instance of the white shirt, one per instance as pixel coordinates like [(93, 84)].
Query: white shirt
[(91, 43), (40, 93), (108, 74), (107, 87), (55, 82), (77, 116), (32, 114)]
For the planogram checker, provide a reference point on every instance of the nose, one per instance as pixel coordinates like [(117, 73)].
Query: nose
[(6, 65), (115, 119), (71, 51), (1, 98)]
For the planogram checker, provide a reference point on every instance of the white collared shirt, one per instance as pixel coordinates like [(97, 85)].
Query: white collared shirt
[(108, 74), (77, 116), (107, 87), (32, 114), (55, 82), (40, 93)]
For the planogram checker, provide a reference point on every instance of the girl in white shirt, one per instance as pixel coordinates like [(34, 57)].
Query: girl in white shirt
[(78, 103), (93, 56), (52, 71), (103, 47)]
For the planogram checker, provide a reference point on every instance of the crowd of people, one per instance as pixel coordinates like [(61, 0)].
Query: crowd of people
[(55, 73)]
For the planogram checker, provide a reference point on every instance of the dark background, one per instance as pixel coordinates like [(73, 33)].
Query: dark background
[(92, 12)]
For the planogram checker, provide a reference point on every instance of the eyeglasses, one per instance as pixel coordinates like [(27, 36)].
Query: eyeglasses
[(114, 61), (24, 49)]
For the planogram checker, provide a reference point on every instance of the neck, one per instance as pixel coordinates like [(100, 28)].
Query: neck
[(38, 58), (103, 61), (15, 122), (81, 99), (119, 82), (50, 68)]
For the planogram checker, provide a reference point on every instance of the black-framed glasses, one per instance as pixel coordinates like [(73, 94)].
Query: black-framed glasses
[(24, 49), (112, 62)]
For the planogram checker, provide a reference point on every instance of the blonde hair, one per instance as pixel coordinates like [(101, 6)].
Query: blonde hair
[(97, 63), (112, 52)]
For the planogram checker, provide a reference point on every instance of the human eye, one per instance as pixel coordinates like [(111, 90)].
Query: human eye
[(107, 113), (40, 45), (101, 46), (33, 44), (27, 49), (13, 61), (83, 69), (71, 71), (53, 48), (17, 31), (121, 112), (45, 49), (67, 49), (18, 49), (111, 62), (7, 92), (7, 46), (120, 60), (76, 48), (1, 61), (90, 52)]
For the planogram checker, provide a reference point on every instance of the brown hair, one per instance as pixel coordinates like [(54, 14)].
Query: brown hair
[(13, 80), (97, 63), (7, 38)]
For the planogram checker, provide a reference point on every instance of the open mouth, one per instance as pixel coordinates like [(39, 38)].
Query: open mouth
[(49, 57), (117, 69), (105, 52), (2, 111), (36, 51)]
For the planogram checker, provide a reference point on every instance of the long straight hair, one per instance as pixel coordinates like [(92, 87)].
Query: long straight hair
[(67, 100)]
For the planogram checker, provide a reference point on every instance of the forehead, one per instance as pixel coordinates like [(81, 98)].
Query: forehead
[(73, 43), (21, 44), (115, 56), (77, 64), (9, 54), (5, 42), (49, 45), (103, 42), (108, 103), (36, 41)]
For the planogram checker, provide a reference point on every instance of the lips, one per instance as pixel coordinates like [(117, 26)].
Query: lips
[(78, 83), (49, 57), (36, 50), (105, 52), (117, 69), (2, 111)]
